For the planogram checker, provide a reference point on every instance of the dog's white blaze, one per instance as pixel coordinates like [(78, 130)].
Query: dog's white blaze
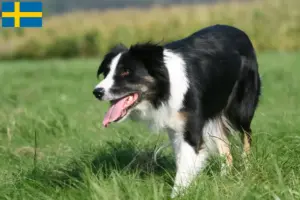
[(108, 82)]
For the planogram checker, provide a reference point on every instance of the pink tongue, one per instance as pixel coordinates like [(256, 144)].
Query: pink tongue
[(118, 109)]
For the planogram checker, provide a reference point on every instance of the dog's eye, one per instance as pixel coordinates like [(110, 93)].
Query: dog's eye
[(125, 72)]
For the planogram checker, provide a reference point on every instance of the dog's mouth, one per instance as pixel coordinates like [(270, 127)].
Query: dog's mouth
[(119, 108)]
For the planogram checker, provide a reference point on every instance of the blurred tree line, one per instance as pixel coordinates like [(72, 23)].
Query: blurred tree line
[(59, 6)]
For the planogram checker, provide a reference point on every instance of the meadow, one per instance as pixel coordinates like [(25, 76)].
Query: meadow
[(271, 24), (53, 146)]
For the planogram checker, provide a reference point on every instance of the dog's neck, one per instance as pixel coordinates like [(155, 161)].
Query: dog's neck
[(166, 115)]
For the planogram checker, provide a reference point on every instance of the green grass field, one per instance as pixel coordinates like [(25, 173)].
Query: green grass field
[(77, 158)]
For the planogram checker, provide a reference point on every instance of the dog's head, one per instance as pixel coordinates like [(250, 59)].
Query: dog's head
[(131, 76)]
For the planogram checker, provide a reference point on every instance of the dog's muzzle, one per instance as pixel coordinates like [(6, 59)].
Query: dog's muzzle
[(98, 93)]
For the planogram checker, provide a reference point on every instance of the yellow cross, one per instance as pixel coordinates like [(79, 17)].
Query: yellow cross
[(17, 14)]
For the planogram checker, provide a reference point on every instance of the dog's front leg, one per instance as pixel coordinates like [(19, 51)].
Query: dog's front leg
[(188, 162)]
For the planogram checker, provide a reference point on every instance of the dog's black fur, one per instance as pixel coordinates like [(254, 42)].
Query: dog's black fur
[(223, 71)]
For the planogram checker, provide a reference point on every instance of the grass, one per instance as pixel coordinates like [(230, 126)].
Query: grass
[(271, 25), (76, 158)]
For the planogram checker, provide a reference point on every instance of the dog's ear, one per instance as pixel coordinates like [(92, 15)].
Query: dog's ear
[(147, 52), (151, 55), (114, 51)]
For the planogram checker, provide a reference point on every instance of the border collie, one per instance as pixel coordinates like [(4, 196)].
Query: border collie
[(199, 89)]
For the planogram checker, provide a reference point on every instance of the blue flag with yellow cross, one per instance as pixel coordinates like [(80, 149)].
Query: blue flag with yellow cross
[(22, 14)]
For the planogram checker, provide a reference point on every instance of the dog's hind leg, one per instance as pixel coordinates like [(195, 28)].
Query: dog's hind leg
[(223, 147), (216, 131), (244, 100)]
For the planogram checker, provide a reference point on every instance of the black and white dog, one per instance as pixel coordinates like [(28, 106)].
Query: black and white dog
[(199, 89)]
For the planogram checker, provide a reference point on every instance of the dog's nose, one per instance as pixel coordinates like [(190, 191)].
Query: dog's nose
[(98, 92)]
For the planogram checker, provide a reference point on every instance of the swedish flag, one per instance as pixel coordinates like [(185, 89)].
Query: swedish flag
[(22, 14)]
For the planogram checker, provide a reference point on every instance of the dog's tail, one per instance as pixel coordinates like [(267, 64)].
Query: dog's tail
[(245, 95)]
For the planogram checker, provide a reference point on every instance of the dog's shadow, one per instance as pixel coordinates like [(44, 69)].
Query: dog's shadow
[(123, 157)]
